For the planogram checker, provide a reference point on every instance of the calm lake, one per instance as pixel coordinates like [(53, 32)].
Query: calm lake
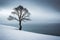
[(50, 29)]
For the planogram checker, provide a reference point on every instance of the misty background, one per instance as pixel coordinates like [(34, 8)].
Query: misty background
[(45, 15)]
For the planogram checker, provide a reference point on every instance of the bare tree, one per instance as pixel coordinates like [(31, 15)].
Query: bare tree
[(22, 14)]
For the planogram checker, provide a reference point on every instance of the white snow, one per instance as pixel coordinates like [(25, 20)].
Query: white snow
[(10, 33)]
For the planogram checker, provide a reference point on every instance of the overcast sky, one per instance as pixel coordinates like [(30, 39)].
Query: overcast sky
[(42, 11)]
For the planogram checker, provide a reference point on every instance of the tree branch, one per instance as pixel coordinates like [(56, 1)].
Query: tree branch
[(12, 18)]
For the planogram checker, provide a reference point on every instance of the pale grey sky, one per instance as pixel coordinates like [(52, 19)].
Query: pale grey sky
[(46, 11)]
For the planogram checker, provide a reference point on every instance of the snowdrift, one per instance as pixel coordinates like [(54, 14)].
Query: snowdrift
[(10, 33)]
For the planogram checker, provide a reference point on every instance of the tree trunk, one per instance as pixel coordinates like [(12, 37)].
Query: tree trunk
[(20, 28), (20, 20)]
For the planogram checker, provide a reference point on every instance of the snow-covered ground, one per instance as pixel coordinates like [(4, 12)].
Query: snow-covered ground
[(10, 33)]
